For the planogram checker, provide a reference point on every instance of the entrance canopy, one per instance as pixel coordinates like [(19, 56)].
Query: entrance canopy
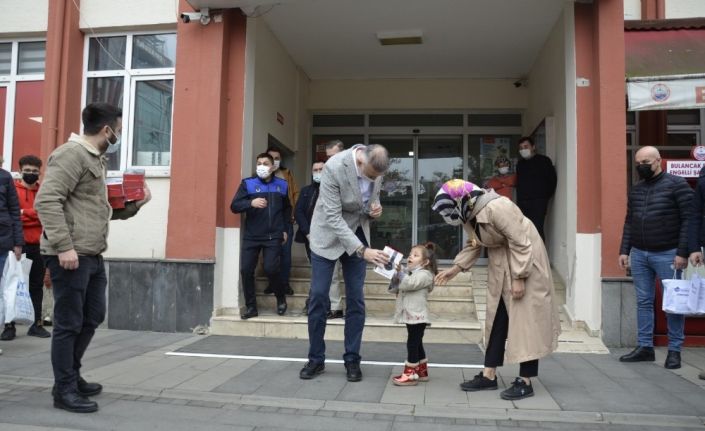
[(665, 64)]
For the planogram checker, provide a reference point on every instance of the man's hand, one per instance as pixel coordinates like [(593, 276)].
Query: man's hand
[(377, 257), (680, 262), (446, 275), (147, 197), (285, 237), (259, 203), (696, 258), (68, 259), (518, 288), (623, 261), (18, 251), (375, 210)]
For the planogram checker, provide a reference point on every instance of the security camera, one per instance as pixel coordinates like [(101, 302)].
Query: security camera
[(187, 17), (203, 16), (521, 83)]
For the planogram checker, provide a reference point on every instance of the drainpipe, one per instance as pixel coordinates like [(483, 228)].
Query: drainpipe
[(52, 74)]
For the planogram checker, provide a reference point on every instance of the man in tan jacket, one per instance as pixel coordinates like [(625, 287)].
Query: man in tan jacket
[(74, 211)]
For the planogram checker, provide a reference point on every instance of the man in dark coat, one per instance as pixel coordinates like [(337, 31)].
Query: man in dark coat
[(535, 183)]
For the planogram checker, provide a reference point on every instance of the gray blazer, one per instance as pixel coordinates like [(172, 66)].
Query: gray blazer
[(339, 210)]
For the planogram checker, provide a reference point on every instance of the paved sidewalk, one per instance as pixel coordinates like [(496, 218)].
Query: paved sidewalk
[(147, 389)]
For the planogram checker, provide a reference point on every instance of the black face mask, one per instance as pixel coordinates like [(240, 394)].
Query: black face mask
[(30, 178), (645, 171)]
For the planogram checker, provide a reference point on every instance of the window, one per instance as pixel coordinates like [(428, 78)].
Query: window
[(21, 94), (136, 73)]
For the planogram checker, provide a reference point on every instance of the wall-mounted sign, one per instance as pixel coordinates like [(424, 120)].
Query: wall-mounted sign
[(698, 152), (685, 168)]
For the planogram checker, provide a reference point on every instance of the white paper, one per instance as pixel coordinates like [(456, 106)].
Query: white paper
[(394, 258)]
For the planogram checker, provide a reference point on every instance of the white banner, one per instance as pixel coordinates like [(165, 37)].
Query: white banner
[(685, 168), (688, 93)]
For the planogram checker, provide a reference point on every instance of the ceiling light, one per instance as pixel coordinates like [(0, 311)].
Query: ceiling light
[(406, 37)]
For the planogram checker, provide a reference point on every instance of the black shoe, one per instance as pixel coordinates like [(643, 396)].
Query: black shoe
[(305, 309), (640, 354), (251, 312), (673, 360), (518, 390), (74, 402), (268, 290), (38, 331), (9, 332), (701, 376), (88, 389), (337, 314), (281, 306), (479, 383), (288, 290), (311, 370), (353, 371)]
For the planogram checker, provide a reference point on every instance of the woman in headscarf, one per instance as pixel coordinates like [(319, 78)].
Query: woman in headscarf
[(521, 308)]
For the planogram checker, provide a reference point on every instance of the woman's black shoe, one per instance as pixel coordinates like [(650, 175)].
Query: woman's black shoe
[(518, 390), (640, 354), (251, 312), (479, 383)]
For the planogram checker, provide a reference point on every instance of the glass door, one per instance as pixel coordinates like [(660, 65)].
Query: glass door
[(439, 159)]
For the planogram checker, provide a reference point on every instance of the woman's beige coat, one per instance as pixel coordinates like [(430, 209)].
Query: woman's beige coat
[(515, 251)]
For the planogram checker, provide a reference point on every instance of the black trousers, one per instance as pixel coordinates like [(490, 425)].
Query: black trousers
[(535, 210), (36, 278), (79, 307), (414, 342), (494, 356), (271, 256)]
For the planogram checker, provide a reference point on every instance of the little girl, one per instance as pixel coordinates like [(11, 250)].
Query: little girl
[(412, 288)]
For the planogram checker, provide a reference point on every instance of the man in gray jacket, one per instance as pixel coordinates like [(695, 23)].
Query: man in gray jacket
[(74, 210), (340, 231)]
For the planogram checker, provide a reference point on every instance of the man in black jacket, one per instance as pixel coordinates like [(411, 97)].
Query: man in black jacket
[(696, 228), (656, 237), (265, 201), (536, 183), (11, 236)]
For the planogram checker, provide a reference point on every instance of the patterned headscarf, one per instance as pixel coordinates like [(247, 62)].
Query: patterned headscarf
[(455, 200)]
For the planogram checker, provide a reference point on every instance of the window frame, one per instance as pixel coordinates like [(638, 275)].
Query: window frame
[(10, 82), (130, 78)]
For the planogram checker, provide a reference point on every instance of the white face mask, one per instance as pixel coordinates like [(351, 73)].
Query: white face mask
[(525, 153), (503, 170), (263, 171), (317, 178), (276, 164)]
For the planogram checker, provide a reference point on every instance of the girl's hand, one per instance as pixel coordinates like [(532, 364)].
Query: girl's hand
[(446, 275), (518, 288), (398, 267)]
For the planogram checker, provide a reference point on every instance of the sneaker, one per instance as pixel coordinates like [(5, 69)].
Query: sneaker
[(518, 390), (9, 332), (38, 331), (479, 383), (311, 370)]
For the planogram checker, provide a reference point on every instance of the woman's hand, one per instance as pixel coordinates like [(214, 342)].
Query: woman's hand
[(446, 275), (518, 287)]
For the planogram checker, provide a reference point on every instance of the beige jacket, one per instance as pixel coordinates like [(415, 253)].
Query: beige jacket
[(72, 203), (412, 297), (515, 251)]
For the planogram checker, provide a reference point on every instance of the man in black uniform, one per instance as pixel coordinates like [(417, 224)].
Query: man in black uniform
[(536, 183)]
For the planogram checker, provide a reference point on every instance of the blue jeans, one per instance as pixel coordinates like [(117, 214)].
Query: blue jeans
[(354, 271), (646, 266), (286, 257)]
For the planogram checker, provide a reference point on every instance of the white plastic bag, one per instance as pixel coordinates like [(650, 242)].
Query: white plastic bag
[(676, 294), (15, 287), (696, 300)]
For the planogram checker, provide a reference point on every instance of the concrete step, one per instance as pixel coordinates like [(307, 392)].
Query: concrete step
[(381, 303), (373, 287), (458, 329), (304, 271)]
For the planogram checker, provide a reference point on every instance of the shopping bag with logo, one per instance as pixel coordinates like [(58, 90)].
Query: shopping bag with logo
[(676, 294), (696, 300), (15, 287)]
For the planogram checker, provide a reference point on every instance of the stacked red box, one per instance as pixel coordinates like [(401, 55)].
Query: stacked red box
[(133, 184), (116, 196)]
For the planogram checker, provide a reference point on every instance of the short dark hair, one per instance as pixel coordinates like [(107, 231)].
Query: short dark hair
[(265, 156), (526, 139), (335, 143), (30, 160), (98, 115), (275, 149)]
